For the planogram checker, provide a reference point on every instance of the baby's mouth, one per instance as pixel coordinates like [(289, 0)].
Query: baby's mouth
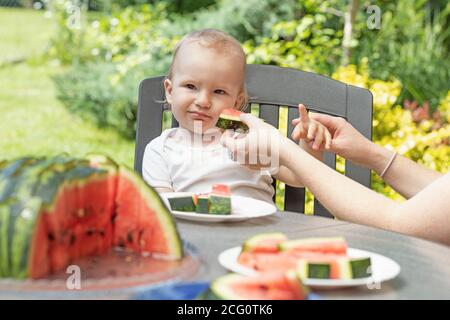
[(199, 116)]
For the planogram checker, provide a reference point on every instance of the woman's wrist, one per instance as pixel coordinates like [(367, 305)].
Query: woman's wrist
[(378, 158)]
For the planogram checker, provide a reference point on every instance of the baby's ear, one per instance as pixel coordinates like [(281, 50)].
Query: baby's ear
[(168, 90), (239, 100)]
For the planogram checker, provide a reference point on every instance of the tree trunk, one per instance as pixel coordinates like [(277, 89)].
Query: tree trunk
[(350, 17)]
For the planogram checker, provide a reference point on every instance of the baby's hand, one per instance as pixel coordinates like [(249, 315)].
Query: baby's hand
[(315, 134)]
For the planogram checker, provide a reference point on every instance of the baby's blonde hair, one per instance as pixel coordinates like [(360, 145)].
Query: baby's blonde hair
[(215, 39)]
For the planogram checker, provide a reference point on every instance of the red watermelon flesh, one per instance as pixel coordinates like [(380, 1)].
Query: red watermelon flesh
[(232, 113), (151, 231), (263, 262), (39, 265), (126, 220), (284, 261), (79, 223), (221, 189), (317, 245)]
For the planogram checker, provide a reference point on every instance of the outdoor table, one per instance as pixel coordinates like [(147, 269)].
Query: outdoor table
[(425, 265)]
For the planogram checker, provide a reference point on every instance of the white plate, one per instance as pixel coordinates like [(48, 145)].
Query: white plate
[(243, 208), (383, 269)]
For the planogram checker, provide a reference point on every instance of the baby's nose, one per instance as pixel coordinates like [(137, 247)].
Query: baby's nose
[(203, 100)]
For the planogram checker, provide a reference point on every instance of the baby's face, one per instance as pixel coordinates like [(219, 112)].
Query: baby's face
[(204, 82)]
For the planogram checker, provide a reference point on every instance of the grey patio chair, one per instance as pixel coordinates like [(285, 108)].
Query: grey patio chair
[(271, 87)]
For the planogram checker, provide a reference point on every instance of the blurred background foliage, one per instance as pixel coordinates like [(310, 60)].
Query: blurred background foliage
[(101, 49)]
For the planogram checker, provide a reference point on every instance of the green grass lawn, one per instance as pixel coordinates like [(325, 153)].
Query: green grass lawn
[(23, 33), (33, 121)]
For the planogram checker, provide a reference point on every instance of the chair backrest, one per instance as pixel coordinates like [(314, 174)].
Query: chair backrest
[(272, 87)]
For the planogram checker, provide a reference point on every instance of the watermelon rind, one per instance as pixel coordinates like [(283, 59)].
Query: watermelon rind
[(224, 122), (313, 270), (220, 205), (182, 203), (354, 268)]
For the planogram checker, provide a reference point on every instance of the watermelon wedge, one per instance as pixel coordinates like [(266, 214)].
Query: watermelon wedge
[(268, 286), (229, 119), (264, 243)]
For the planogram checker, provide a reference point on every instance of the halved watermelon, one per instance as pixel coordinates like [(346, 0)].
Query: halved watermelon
[(230, 119), (64, 208), (268, 286)]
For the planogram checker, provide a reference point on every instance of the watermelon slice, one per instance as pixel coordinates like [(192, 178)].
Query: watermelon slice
[(315, 258), (264, 243), (268, 286), (220, 200), (335, 245), (229, 119), (201, 203)]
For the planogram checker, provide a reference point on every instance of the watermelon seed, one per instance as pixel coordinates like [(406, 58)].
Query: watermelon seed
[(72, 239), (50, 236), (102, 233), (90, 232), (130, 237), (113, 217)]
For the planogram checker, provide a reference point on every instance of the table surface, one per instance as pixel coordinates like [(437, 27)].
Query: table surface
[(425, 265)]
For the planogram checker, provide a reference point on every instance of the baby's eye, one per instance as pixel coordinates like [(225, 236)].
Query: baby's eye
[(219, 91), (190, 86)]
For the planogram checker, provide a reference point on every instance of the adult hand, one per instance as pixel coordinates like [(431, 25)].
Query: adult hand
[(312, 132), (346, 140)]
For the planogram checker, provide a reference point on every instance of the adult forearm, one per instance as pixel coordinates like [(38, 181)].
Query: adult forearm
[(343, 197), (404, 176)]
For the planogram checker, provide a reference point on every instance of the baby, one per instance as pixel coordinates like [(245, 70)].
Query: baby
[(207, 75)]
